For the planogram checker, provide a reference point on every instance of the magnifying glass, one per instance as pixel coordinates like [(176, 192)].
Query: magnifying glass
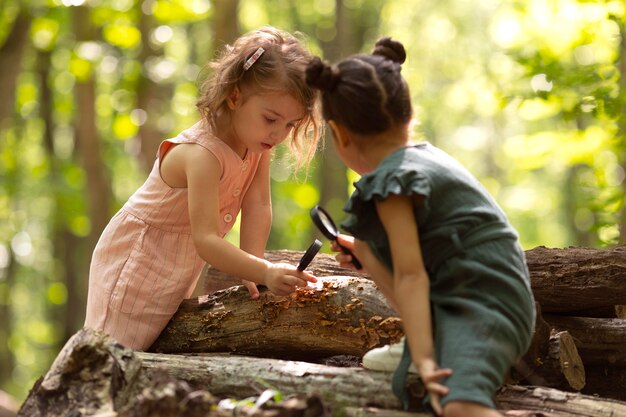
[(309, 255), (326, 225)]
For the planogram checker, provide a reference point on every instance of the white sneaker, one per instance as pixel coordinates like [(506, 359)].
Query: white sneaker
[(386, 358)]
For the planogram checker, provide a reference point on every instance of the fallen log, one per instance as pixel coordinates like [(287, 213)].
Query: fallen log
[(576, 279), (322, 265), (339, 316), (552, 359), (565, 281), (599, 341), (558, 402), (93, 375), (305, 326)]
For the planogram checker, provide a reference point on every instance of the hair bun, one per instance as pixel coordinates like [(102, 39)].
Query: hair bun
[(321, 75), (390, 49)]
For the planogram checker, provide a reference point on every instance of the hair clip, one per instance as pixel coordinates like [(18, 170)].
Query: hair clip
[(255, 56)]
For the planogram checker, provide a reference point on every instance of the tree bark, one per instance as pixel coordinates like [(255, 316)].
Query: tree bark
[(151, 97), (93, 375), (225, 22), (339, 316), (621, 125), (322, 265), (559, 403), (576, 279), (304, 327), (599, 341), (563, 367), (565, 281), (97, 188), (552, 360), (11, 53)]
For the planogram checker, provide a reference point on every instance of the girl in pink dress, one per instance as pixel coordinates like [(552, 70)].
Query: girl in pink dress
[(150, 255)]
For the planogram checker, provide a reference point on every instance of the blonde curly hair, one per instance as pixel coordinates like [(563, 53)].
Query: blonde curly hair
[(280, 68)]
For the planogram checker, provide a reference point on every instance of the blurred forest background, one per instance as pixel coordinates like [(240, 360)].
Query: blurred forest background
[(529, 94)]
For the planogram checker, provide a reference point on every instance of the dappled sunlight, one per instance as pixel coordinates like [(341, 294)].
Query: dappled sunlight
[(540, 82), (471, 138), (538, 108), (532, 151), (525, 94), (556, 27)]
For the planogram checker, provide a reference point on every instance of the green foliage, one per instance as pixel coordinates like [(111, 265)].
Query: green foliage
[(526, 94)]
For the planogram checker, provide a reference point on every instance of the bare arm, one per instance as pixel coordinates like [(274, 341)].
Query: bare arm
[(256, 216), (412, 289), (201, 172), (371, 265)]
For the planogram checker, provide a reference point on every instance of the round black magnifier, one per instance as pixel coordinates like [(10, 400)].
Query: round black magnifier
[(326, 225), (309, 255)]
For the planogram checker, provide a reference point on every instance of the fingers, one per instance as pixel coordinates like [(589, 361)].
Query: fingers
[(252, 289), (430, 378), (307, 276), (284, 279), (436, 404), (342, 240), (345, 240)]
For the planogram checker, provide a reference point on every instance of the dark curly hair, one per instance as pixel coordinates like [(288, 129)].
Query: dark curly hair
[(365, 93)]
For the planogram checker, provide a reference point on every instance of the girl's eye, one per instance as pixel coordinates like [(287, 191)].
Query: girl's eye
[(269, 120)]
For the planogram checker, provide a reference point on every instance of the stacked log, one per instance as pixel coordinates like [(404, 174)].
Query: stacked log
[(226, 344), (94, 375), (583, 291), (576, 347)]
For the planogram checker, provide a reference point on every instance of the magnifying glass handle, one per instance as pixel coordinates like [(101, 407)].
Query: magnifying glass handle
[(347, 251)]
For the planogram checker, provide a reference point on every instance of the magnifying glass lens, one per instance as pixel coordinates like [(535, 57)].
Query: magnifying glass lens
[(328, 223)]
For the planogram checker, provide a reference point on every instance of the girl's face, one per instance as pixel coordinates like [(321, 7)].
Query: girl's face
[(262, 121), (347, 150)]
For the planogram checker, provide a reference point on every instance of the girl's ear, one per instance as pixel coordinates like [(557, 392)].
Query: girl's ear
[(340, 133), (234, 98)]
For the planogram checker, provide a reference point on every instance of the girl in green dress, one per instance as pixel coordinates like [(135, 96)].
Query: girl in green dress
[(431, 237)]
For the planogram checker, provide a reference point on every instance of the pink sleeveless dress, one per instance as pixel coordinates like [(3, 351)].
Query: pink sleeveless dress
[(145, 262)]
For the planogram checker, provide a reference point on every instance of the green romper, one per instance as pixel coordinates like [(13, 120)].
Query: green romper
[(482, 306)]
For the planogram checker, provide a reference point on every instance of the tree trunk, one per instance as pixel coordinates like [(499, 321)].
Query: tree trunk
[(339, 316), (92, 375), (322, 265), (151, 97), (621, 126), (225, 22), (552, 360), (599, 341), (11, 53), (557, 402), (304, 326), (577, 279), (97, 187), (565, 281)]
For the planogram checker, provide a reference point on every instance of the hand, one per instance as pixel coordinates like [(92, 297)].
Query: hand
[(252, 289), (283, 279), (430, 377), (344, 259), (359, 248)]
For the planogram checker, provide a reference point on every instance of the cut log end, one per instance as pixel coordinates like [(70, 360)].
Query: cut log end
[(562, 346)]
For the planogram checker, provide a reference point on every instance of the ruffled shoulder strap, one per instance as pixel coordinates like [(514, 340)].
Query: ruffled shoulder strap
[(392, 181), (392, 177)]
